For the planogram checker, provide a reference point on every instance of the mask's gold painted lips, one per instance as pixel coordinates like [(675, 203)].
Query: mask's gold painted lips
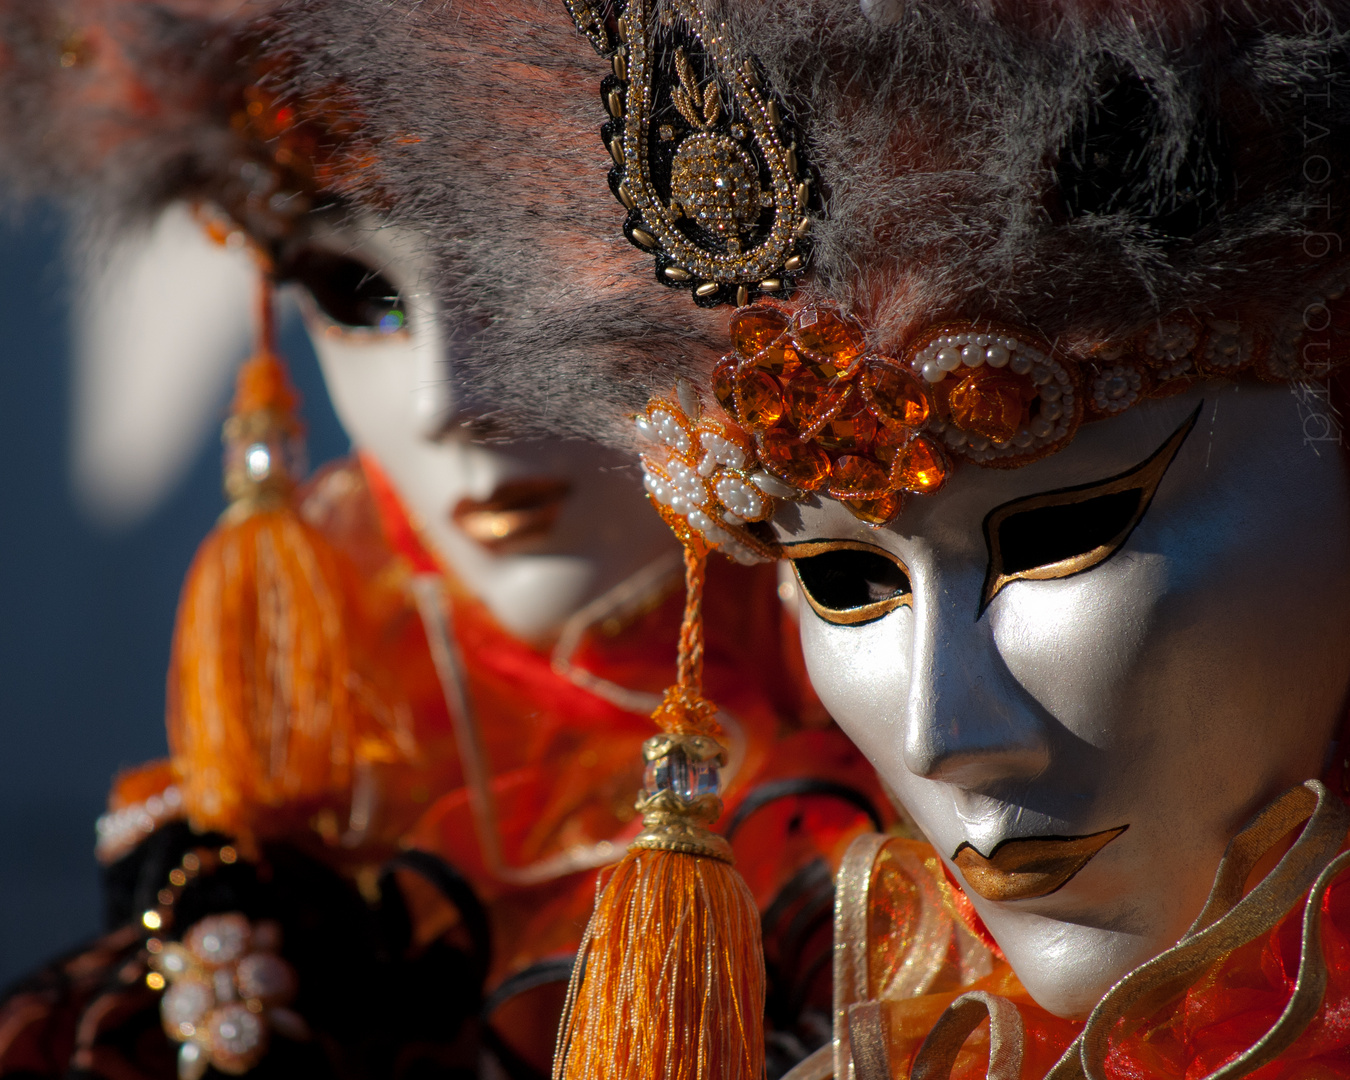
[(1027, 867), (517, 512)]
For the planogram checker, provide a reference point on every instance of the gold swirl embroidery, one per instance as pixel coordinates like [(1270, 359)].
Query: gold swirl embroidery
[(703, 161)]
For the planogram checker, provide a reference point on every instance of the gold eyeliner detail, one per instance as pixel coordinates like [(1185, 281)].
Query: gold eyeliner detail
[(854, 615), (1143, 478)]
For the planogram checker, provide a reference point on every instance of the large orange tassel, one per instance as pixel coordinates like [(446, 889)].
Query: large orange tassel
[(259, 715), (669, 980)]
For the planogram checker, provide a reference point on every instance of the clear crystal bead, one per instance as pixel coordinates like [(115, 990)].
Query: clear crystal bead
[(687, 779)]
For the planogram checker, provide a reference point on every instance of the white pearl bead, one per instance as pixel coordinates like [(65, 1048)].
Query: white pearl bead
[(972, 356), (1020, 364), (948, 358), (1041, 427), (932, 373), (997, 355)]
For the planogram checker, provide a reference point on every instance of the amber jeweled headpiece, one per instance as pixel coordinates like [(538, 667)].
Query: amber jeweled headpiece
[(803, 407), (704, 162)]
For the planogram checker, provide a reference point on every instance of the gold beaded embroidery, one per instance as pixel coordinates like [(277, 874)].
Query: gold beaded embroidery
[(704, 163)]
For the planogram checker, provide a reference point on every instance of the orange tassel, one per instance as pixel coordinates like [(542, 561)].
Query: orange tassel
[(669, 980), (259, 715)]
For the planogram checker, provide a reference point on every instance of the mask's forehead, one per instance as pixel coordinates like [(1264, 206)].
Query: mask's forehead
[(1245, 439)]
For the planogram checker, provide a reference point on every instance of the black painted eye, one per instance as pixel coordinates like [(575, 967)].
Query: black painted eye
[(348, 291), (1060, 533), (1117, 162), (846, 582), (1054, 534)]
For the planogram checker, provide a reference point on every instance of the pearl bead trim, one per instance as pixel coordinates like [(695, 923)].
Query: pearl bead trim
[(695, 472), (1116, 388), (119, 831), (948, 353)]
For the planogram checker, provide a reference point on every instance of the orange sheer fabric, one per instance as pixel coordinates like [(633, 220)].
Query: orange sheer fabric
[(1208, 1025)]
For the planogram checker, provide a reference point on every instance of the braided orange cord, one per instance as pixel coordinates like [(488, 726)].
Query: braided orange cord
[(689, 668), (684, 710)]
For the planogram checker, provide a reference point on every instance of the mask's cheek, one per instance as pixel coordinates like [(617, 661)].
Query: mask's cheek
[(1079, 647), (862, 675)]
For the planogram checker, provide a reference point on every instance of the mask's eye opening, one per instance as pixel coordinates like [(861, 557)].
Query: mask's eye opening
[(347, 291), (847, 582), (1056, 534), (1061, 533)]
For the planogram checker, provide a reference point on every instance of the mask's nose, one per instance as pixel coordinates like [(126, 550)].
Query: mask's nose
[(967, 720)]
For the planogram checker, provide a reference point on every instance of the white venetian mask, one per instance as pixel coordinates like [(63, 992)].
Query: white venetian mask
[(1081, 677), (535, 529)]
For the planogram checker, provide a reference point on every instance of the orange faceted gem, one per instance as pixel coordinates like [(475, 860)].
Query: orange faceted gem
[(801, 464), (724, 383), (827, 336), (854, 476), (894, 395), (921, 466), (779, 359), (876, 511), (889, 441), (811, 400), (852, 430), (990, 403), (759, 399), (755, 327)]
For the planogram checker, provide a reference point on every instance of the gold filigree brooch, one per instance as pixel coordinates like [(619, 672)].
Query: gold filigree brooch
[(704, 162)]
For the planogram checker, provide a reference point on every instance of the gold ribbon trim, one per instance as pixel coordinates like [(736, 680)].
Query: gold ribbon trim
[(1007, 1037), (1230, 920)]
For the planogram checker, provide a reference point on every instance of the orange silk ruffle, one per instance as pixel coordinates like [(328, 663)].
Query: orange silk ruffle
[(1195, 1033)]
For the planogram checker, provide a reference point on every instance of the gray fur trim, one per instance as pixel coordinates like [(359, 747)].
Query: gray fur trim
[(940, 130)]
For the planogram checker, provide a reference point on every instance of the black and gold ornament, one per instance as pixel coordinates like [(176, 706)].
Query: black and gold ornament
[(703, 160)]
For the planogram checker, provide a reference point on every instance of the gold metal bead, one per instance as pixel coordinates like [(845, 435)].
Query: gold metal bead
[(615, 151), (626, 196), (643, 237), (742, 296), (677, 273), (803, 227), (792, 161), (772, 284), (803, 192), (620, 67), (772, 109), (614, 102), (707, 288), (793, 264)]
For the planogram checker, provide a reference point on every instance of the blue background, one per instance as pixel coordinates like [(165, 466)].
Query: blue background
[(85, 616)]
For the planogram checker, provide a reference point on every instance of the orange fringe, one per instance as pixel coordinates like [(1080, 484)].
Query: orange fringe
[(259, 715), (669, 983)]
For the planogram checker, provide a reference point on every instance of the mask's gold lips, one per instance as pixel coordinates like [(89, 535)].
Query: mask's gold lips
[(516, 513), (1023, 868)]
